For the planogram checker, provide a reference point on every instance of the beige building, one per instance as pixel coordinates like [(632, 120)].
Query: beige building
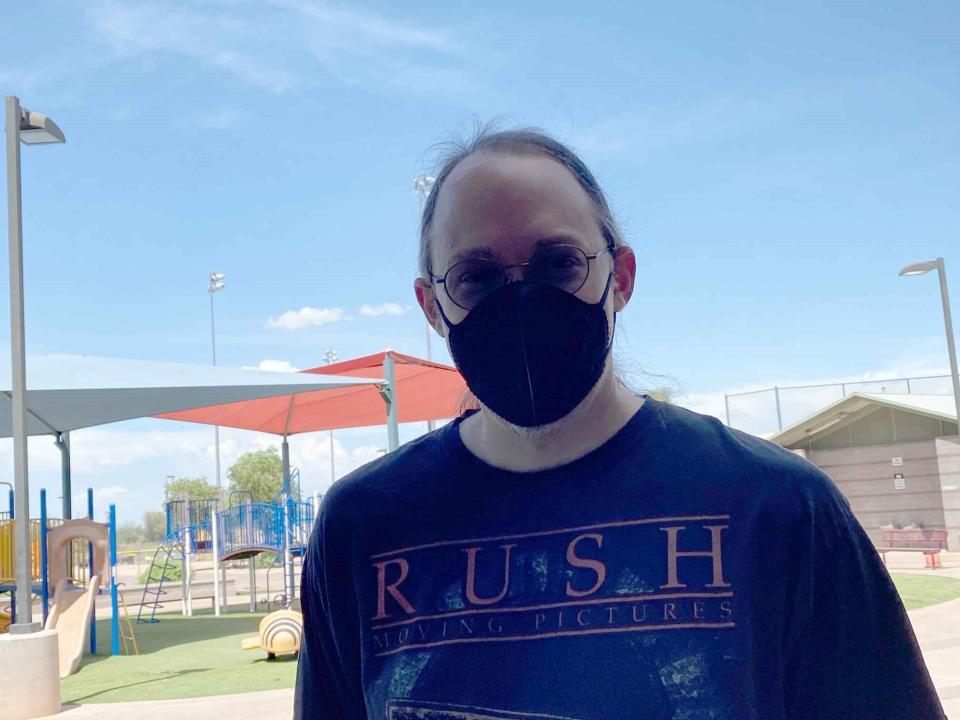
[(895, 457)]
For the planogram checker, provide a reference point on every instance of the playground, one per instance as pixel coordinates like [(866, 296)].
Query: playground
[(215, 609)]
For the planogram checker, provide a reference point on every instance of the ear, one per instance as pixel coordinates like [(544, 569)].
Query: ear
[(428, 304), (624, 275)]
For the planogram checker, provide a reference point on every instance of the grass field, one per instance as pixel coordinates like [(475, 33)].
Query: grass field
[(919, 591), (180, 658)]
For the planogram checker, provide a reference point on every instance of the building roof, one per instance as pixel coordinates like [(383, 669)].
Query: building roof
[(940, 407)]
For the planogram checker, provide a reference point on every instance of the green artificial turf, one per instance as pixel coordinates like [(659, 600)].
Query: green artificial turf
[(919, 591), (180, 658)]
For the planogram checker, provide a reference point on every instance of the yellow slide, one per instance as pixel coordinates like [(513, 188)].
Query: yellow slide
[(70, 617)]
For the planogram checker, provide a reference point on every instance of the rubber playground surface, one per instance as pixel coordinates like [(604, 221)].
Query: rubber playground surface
[(180, 657)]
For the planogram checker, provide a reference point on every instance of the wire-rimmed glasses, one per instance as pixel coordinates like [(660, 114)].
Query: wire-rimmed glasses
[(564, 266)]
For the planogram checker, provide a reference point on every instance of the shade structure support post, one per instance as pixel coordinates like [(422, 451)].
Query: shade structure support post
[(285, 460), (23, 617), (951, 344), (215, 542), (390, 397), (63, 443), (726, 407), (93, 610), (114, 604)]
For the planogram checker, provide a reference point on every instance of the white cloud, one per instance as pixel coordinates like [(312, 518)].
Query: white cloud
[(386, 308), (273, 366), (306, 317), (217, 38), (277, 45)]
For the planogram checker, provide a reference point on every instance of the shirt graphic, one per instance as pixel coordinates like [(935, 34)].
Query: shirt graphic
[(626, 576)]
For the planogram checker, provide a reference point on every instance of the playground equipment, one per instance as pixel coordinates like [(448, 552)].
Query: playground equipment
[(77, 559), (243, 530), (280, 634), (72, 609)]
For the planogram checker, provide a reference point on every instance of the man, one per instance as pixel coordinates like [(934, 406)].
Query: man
[(571, 549)]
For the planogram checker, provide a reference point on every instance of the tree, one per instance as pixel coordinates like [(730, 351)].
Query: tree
[(258, 472), (154, 526), (195, 488), (129, 534)]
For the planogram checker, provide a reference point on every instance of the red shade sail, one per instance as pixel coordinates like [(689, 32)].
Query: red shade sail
[(424, 391)]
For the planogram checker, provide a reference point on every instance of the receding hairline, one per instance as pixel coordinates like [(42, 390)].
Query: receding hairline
[(457, 172), (520, 142)]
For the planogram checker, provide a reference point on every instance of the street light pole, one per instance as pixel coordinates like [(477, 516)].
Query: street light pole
[(216, 285), (329, 356), (922, 269), (423, 184), (30, 128)]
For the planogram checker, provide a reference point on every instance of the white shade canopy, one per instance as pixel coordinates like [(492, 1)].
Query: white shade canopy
[(69, 392)]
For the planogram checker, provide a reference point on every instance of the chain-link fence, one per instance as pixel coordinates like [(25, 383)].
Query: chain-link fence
[(770, 410)]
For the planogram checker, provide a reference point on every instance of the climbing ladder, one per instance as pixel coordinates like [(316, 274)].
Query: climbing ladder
[(171, 548), (127, 635)]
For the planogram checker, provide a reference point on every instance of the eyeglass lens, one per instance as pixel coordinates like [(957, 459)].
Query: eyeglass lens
[(563, 266)]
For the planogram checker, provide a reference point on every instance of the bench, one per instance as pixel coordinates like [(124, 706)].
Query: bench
[(929, 542)]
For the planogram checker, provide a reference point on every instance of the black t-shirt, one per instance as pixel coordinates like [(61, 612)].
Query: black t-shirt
[(681, 570)]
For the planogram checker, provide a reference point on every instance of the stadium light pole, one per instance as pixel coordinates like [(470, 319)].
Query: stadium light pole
[(29, 128), (923, 268), (215, 286), (329, 356), (423, 184)]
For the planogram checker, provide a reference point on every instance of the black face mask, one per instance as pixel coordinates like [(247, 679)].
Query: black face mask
[(532, 352)]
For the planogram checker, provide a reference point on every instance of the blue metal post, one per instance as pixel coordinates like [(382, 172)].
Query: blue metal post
[(115, 612), (11, 504), (93, 611), (44, 587)]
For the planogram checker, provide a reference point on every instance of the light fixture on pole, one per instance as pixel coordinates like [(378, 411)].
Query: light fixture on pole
[(330, 356), (423, 184), (923, 268), (30, 128), (215, 286)]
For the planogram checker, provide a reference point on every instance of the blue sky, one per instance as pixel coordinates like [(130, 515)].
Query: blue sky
[(773, 165)]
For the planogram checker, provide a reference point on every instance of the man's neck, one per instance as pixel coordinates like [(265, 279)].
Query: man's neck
[(598, 418)]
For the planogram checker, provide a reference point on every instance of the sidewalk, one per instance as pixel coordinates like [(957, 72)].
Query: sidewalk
[(938, 631), (266, 705)]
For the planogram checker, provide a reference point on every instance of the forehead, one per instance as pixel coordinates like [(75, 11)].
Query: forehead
[(504, 203)]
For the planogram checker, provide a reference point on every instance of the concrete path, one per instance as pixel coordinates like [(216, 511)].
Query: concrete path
[(267, 705), (938, 632)]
